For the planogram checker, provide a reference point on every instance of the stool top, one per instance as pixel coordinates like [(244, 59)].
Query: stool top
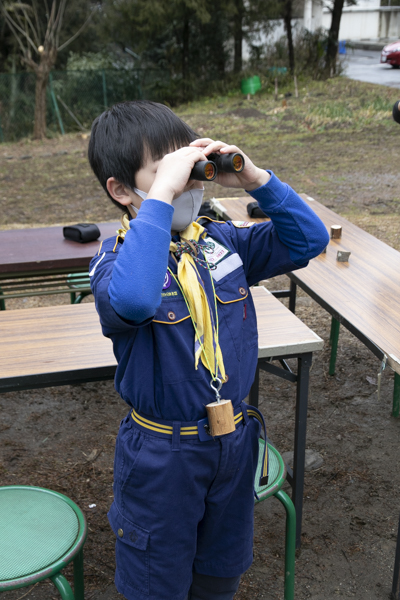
[(37, 528)]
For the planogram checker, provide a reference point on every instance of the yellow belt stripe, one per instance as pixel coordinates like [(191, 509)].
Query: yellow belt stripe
[(167, 429)]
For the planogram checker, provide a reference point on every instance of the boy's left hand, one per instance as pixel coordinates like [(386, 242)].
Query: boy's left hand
[(250, 178)]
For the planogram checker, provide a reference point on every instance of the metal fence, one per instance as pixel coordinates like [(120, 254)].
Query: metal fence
[(74, 98)]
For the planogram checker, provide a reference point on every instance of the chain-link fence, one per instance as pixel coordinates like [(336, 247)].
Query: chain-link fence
[(74, 98)]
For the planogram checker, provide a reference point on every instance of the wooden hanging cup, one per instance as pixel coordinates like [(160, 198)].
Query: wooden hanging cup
[(220, 417)]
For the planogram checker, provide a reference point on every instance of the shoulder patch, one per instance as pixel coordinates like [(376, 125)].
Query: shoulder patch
[(243, 224), (204, 218)]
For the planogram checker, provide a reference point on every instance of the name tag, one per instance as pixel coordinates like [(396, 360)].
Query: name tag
[(217, 251)]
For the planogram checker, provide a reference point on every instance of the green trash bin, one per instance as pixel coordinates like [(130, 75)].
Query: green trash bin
[(250, 85)]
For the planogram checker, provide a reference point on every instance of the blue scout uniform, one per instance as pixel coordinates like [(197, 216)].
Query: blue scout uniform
[(183, 501)]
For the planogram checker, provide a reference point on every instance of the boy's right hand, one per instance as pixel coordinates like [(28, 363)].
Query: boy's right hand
[(172, 173)]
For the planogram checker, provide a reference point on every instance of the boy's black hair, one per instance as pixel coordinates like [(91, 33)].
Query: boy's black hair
[(124, 136)]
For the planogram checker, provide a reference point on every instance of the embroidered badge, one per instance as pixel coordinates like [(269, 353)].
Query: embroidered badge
[(242, 224), (215, 251), (167, 281)]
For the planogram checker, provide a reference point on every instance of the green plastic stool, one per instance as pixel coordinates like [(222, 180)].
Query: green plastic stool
[(78, 281), (251, 85), (277, 477), (41, 532)]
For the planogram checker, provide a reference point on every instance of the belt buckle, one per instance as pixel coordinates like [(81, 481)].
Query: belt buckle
[(203, 430)]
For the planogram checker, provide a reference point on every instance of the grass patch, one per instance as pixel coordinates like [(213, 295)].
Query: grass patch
[(337, 142)]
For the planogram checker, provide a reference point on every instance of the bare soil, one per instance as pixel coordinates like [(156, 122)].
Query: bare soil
[(63, 437)]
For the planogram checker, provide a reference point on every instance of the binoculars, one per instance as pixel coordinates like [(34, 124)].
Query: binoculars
[(207, 170)]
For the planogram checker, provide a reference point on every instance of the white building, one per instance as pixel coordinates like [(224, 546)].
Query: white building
[(365, 21)]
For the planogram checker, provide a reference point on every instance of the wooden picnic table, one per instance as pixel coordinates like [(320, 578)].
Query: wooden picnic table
[(45, 250), (40, 261), (59, 345), (363, 294)]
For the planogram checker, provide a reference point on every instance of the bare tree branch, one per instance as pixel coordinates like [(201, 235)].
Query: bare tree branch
[(11, 22), (48, 36), (71, 39), (39, 27), (58, 21), (31, 26), (15, 33)]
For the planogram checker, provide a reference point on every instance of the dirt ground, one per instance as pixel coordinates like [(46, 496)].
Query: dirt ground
[(63, 437)]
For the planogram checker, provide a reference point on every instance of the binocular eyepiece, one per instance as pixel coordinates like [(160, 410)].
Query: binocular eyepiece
[(207, 170)]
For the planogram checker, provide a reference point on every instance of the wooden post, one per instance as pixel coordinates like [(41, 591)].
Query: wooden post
[(296, 90), (276, 88), (220, 417), (336, 232)]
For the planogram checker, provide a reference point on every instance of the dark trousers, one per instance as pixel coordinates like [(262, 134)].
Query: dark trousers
[(207, 587)]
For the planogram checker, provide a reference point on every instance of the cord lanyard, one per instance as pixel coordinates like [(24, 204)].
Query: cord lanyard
[(220, 413), (216, 381)]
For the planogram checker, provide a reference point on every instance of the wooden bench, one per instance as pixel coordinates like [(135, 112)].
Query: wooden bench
[(60, 345)]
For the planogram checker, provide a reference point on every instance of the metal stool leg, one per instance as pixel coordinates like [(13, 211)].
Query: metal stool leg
[(79, 587), (334, 338), (63, 586), (80, 297), (290, 545), (2, 303)]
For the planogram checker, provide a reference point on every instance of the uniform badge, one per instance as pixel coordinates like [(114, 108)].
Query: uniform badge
[(243, 224), (167, 281)]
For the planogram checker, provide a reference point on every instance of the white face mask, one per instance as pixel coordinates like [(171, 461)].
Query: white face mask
[(186, 206)]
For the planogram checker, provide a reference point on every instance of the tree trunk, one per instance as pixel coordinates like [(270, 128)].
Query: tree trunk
[(39, 130), (238, 36), (332, 46), (287, 19), (42, 71)]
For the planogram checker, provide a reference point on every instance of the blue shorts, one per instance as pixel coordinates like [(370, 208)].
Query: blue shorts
[(181, 506)]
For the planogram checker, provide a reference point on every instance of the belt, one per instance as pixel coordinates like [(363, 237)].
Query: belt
[(198, 430)]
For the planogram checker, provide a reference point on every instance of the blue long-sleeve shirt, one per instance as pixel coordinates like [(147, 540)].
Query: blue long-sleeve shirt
[(139, 271), (142, 310)]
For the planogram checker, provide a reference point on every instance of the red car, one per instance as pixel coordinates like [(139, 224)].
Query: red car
[(391, 54)]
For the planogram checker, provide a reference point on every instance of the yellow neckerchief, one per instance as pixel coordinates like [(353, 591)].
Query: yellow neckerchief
[(208, 347), (196, 300)]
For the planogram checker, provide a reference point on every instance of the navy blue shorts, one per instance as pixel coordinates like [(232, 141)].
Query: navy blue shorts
[(181, 507)]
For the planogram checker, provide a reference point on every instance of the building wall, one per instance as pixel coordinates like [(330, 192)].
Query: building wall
[(355, 24)]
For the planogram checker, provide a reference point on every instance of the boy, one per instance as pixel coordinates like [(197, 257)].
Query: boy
[(180, 314)]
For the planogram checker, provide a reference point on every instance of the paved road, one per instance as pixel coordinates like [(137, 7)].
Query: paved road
[(364, 65)]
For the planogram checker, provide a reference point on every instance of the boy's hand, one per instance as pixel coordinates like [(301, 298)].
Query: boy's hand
[(250, 178), (173, 172)]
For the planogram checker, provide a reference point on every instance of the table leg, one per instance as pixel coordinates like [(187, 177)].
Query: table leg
[(334, 338), (395, 585), (292, 296), (253, 396), (303, 375), (396, 396)]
